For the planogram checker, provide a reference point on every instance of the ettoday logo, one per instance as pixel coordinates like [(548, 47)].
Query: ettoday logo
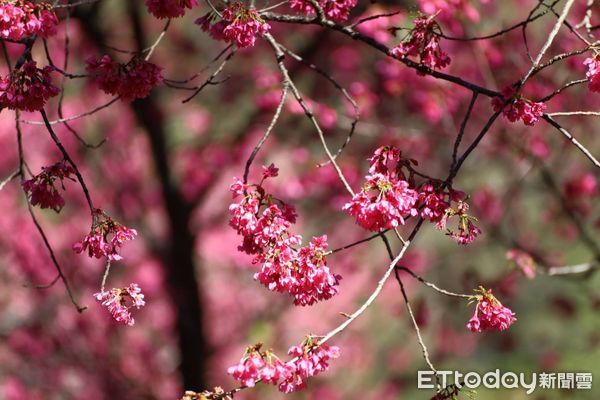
[(506, 380)]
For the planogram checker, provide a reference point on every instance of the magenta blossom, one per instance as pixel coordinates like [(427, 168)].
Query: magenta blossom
[(335, 10), (120, 301), (260, 366), (41, 190), (130, 81), (310, 359), (593, 73), (27, 88), (106, 238), (489, 314), (518, 107), (383, 203), (466, 232), (423, 41), (19, 19), (243, 26), (169, 8), (265, 226)]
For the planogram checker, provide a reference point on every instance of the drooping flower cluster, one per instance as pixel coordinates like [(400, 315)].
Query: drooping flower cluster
[(309, 359), (106, 238), (386, 198), (119, 302), (169, 8), (243, 25), (19, 19), (593, 73), (41, 190), (335, 10), (130, 81), (383, 203), (432, 203), (27, 88), (489, 314), (423, 41), (467, 232), (390, 195), (264, 223), (257, 365), (518, 107), (239, 25)]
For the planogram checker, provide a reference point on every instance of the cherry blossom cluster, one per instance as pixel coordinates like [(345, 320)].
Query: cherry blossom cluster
[(390, 195), (335, 10), (27, 88), (169, 8), (489, 314), (19, 19), (130, 81), (243, 25), (239, 25), (518, 107), (383, 203), (119, 302), (309, 359), (386, 198), (41, 190), (593, 72), (264, 223), (466, 232), (106, 238), (423, 41)]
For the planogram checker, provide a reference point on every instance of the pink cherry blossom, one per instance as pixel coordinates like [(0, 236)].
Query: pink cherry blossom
[(466, 232), (304, 273), (247, 372), (169, 8), (19, 19), (106, 238), (423, 42), (41, 190), (130, 81), (27, 88), (432, 203), (383, 203), (265, 226), (243, 25), (120, 301), (593, 73), (270, 172), (335, 10), (489, 314), (518, 107), (310, 359)]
